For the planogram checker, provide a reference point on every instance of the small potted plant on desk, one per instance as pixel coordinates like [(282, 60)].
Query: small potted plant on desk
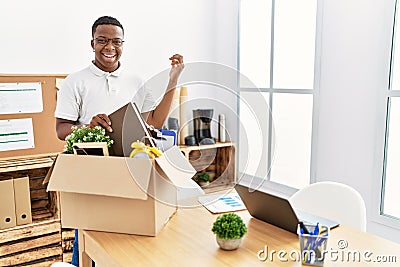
[(203, 178), (229, 229)]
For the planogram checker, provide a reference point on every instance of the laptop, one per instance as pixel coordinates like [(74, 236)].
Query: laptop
[(277, 210)]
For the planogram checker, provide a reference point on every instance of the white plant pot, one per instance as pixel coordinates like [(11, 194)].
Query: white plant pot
[(204, 183), (228, 244)]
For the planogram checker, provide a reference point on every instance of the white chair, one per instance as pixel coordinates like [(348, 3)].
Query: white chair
[(334, 201)]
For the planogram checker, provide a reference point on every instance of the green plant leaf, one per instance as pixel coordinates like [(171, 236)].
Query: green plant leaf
[(229, 226), (86, 134), (203, 177)]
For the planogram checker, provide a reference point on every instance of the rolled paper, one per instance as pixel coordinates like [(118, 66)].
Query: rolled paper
[(184, 115)]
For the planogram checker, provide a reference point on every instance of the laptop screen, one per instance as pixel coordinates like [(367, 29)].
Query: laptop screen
[(277, 210), (269, 208)]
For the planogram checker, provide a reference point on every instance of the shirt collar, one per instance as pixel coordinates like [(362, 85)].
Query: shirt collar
[(98, 72)]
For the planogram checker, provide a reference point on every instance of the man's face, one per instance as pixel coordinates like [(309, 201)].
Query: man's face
[(107, 43)]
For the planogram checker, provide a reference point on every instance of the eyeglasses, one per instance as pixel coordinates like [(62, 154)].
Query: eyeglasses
[(104, 41)]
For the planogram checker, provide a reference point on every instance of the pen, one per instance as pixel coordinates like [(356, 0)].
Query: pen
[(315, 234), (316, 229), (310, 244), (320, 240), (303, 228)]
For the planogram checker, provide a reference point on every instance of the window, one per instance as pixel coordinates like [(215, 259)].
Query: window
[(391, 167), (276, 62)]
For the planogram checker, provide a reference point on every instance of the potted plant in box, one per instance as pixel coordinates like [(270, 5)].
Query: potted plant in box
[(203, 178), (86, 134), (229, 229)]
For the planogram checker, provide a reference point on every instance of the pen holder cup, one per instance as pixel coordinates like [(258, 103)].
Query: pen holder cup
[(313, 244)]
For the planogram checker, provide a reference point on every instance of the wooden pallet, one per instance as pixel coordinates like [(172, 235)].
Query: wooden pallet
[(43, 204), (68, 236), (41, 243), (26, 163), (37, 244)]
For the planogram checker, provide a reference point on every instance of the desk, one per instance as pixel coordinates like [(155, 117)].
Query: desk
[(187, 240)]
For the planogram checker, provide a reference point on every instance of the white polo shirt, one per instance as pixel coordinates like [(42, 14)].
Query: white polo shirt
[(91, 91)]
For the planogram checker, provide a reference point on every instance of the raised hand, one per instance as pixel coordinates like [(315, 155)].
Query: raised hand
[(176, 67)]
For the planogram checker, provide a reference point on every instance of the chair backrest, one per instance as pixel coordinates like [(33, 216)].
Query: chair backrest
[(61, 264), (335, 201)]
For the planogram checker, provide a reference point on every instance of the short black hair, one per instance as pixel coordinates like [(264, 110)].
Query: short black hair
[(106, 20)]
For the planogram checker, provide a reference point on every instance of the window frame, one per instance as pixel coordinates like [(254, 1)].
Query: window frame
[(271, 91), (382, 119)]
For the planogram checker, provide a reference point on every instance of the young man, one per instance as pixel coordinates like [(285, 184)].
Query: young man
[(88, 95)]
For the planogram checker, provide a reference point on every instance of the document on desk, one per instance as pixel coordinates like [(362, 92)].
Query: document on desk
[(221, 203)]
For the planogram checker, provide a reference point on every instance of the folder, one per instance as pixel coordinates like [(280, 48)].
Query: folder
[(7, 206), (128, 126), (22, 200)]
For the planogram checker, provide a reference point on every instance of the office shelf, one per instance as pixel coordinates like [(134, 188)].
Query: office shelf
[(218, 160)]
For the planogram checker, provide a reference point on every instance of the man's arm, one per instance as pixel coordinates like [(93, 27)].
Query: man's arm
[(63, 128), (158, 116)]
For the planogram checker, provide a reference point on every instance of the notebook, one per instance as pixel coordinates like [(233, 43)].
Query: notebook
[(277, 210)]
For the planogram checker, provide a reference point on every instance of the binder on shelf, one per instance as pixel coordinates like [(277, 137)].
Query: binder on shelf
[(7, 206), (22, 200)]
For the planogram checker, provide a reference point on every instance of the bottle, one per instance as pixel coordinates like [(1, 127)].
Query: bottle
[(221, 128)]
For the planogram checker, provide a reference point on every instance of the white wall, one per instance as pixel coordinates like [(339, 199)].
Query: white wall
[(356, 40), (53, 36)]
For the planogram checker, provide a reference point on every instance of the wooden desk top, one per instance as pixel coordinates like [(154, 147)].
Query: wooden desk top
[(187, 240)]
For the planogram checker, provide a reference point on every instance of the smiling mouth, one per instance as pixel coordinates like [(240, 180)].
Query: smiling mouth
[(109, 56)]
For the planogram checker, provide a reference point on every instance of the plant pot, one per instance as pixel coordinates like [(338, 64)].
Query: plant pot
[(204, 183), (228, 244)]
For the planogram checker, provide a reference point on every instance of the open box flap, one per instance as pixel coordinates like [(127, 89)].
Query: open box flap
[(177, 168), (96, 175)]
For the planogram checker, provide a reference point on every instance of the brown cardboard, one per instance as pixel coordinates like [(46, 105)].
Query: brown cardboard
[(22, 200), (7, 206), (118, 194)]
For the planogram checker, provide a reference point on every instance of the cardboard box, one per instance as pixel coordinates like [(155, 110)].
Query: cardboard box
[(119, 194)]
